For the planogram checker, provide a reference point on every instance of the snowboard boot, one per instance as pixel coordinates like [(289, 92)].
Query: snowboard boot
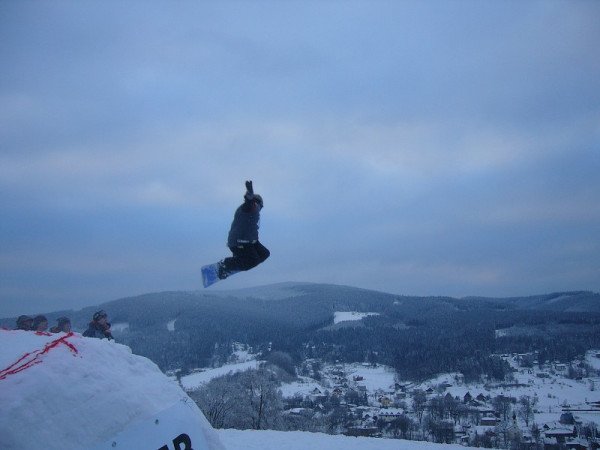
[(221, 270)]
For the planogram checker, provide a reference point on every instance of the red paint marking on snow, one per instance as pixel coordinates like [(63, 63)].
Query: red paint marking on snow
[(32, 358)]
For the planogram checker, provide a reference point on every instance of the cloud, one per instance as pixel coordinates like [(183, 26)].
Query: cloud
[(408, 147)]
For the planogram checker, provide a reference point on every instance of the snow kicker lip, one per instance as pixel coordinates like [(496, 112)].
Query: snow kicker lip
[(176, 427), (30, 359)]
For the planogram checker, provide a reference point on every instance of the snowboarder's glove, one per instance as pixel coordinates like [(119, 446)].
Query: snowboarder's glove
[(249, 191)]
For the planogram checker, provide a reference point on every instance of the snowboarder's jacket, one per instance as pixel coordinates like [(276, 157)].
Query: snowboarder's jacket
[(244, 228), (96, 330)]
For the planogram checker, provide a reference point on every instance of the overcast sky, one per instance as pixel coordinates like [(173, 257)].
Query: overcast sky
[(419, 148)]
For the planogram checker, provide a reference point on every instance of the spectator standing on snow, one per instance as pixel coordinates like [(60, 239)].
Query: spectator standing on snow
[(99, 326), (63, 326), (24, 323), (40, 323)]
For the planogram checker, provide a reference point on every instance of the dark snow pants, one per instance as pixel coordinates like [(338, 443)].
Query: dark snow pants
[(245, 257)]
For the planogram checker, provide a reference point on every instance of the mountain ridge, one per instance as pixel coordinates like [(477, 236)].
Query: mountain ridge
[(567, 301)]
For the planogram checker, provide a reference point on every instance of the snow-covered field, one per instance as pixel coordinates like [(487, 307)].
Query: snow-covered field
[(171, 325), (119, 327), (197, 380), (380, 378), (304, 386), (95, 394), (86, 393), (298, 440), (346, 316), (552, 390), (592, 359), (373, 378)]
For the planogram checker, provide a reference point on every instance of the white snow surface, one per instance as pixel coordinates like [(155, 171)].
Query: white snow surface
[(171, 325), (119, 327), (79, 400), (552, 393), (379, 378), (304, 386), (592, 359), (298, 440), (346, 316), (197, 380)]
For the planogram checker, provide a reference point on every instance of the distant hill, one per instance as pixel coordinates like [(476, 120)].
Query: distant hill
[(311, 303), (579, 301), (419, 336)]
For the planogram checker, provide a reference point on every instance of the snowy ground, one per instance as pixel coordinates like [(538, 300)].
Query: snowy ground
[(552, 393), (374, 378), (592, 359), (197, 380), (65, 391), (304, 386), (380, 378), (298, 440), (345, 316), (119, 327)]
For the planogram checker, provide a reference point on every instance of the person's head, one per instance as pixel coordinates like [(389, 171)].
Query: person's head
[(101, 317), (40, 323), (64, 324), (259, 200), (24, 323)]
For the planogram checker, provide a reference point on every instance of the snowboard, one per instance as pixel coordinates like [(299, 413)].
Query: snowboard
[(210, 274)]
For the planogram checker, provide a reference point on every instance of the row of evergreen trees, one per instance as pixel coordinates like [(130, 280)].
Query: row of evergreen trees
[(418, 346)]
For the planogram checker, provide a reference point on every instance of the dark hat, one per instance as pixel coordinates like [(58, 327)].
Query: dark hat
[(39, 319), (22, 319), (63, 320), (259, 200), (99, 314)]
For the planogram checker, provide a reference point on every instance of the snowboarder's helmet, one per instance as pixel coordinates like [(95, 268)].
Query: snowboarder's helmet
[(258, 200)]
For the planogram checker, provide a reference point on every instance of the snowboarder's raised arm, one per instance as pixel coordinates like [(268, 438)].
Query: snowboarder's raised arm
[(249, 196), (251, 200)]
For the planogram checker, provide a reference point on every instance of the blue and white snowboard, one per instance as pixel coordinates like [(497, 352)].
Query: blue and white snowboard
[(210, 274)]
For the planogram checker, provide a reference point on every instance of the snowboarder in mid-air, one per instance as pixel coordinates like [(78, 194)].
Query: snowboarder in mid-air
[(243, 242)]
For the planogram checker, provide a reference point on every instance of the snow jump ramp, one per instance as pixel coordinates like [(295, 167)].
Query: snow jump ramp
[(64, 391)]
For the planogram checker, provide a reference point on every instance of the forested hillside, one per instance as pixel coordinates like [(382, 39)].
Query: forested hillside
[(419, 336)]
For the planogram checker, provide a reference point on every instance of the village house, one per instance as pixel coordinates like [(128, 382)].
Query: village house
[(361, 389), (337, 392), (402, 387), (559, 432), (489, 421), (390, 414), (481, 398), (577, 444)]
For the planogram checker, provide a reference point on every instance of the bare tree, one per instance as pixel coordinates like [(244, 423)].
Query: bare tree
[(218, 400), (264, 399), (526, 408), (419, 403), (502, 405), (249, 399)]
